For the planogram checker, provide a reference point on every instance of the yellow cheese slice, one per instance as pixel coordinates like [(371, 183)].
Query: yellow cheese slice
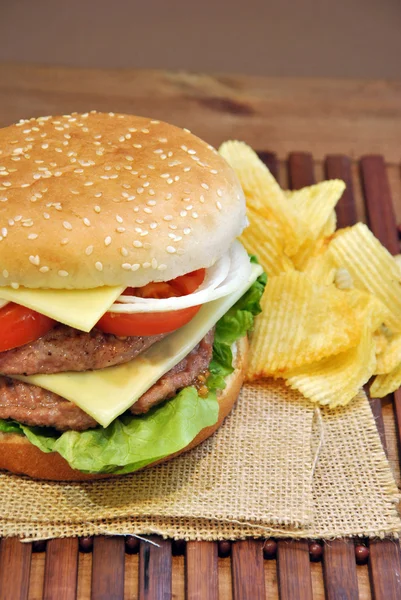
[(78, 308), (107, 393)]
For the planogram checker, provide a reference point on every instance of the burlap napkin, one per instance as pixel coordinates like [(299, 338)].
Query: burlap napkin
[(275, 467)]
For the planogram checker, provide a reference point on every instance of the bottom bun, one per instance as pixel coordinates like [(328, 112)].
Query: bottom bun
[(19, 456)]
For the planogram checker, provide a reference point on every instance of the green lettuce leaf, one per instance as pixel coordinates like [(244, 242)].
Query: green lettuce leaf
[(132, 442)]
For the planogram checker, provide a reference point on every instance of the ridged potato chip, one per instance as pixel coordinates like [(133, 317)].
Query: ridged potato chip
[(397, 259), (301, 322), (343, 279), (330, 225), (336, 380), (386, 384), (264, 195), (390, 357), (371, 267), (315, 205), (264, 239)]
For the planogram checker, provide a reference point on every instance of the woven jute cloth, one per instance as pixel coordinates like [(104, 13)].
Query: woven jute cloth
[(276, 467)]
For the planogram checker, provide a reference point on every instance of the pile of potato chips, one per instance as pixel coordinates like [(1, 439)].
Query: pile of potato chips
[(331, 312)]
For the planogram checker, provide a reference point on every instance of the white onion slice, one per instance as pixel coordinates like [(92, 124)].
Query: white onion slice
[(239, 269)]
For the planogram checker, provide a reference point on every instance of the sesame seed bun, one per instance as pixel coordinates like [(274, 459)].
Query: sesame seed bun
[(19, 456), (107, 199)]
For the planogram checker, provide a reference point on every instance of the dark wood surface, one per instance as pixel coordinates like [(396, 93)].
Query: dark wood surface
[(201, 571), (155, 569), (339, 569), (15, 564), (108, 563), (293, 569), (61, 569), (248, 579)]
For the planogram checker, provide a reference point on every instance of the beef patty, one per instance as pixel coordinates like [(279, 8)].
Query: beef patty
[(66, 349), (32, 405)]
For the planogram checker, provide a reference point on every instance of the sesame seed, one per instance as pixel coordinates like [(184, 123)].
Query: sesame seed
[(170, 181), (145, 130), (213, 171), (151, 202), (195, 215), (154, 263), (62, 273), (129, 158), (205, 186), (187, 230), (169, 196), (189, 207), (98, 195), (119, 219), (140, 190), (165, 175), (32, 236), (171, 249), (183, 213), (124, 251), (88, 250), (147, 210), (132, 129), (96, 208), (219, 193), (153, 225), (151, 192), (64, 241), (35, 260), (46, 215), (99, 266), (75, 192), (146, 265), (107, 241), (67, 225), (15, 286), (137, 244), (5, 273), (202, 198), (137, 146), (120, 229), (135, 267), (191, 151), (44, 269), (57, 173), (86, 221), (45, 146), (162, 267), (121, 138), (88, 183), (4, 231), (126, 266)]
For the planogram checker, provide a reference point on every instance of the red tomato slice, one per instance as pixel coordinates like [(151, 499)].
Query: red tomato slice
[(20, 325), (124, 324)]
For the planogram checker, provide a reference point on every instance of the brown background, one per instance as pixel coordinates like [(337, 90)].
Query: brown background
[(343, 38)]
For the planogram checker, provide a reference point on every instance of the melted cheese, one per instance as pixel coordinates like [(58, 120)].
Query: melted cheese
[(78, 308), (107, 393)]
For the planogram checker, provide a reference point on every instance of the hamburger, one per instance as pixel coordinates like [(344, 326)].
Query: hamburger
[(125, 299)]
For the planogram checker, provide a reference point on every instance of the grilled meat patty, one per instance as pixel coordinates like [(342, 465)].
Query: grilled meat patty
[(32, 405), (66, 349)]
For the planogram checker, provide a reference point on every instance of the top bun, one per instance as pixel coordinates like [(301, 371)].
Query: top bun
[(93, 199)]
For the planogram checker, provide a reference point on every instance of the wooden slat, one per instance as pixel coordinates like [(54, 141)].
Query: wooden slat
[(379, 205), (301, 170), (155, 569), (61, 569), (339, 566), (270, 160), (248, 580), (201, 573), (108, 562), (339, 570), (385, 569), (339, 167), (385, 560), (294, 571), (15, 566), (293, 565)]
